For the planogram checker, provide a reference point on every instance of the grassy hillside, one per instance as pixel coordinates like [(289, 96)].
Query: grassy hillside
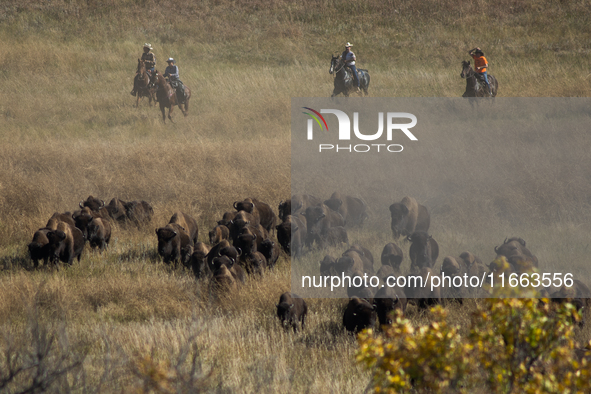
[(69, 128)]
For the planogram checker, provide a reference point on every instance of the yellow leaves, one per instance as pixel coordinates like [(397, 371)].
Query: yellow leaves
[(513, 345)]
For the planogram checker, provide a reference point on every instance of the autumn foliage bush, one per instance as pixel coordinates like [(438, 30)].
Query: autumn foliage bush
[(513, 345)]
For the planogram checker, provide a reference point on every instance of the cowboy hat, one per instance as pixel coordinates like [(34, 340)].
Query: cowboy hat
[(146, 45), (170, 60), (348, 44)]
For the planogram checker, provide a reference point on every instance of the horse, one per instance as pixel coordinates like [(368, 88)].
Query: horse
[(167, 98), (344, 82), (476, 87), (142, 85)]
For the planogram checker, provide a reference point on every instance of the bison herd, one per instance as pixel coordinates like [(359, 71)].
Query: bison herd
[(241, 244)]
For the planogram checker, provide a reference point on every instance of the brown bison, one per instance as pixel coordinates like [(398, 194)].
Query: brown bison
[(65, 244), (386, 300), (292, 309), (270, 250), (139, 212), (392, 255), (116, 210), (408, 216), (93, 203), (291, 234), (301, 202), (188, 223), (223, 280), (359, 315), (319, 220), (65, 217), (174, 244), (327, 266), (235, 269), (423, 252), (253, 263), (352, 209), (198, 261), (99, 233), (517, 254), (82, 218), (218, 233), (262, 212)]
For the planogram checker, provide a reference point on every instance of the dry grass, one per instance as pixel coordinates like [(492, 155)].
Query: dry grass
[(68, 129)]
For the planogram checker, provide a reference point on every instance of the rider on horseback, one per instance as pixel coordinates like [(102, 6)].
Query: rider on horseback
[(480, 65), (349, 59), (172, 72), (149, 61)]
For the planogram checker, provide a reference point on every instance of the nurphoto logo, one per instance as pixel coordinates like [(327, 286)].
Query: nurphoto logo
[(344, 130)]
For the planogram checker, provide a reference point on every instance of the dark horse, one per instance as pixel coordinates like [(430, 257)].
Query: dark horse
[(475, 87), (142, 85), (167, 97), (344, 82)]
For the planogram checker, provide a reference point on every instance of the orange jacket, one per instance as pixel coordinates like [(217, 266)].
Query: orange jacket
[(480, 61)]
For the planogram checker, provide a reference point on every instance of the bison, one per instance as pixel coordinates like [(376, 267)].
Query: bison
[(218, 233), (301, 202), (235, 269), (99, 233), (386, 300), (198, 261), (93, 203), (223, 280), (352, 209), (291, 234), (423, 252), (392, 255), (270, 250), (262, 212), (359, 315), (116, 210), (517, 254), (65, 243), (187, 223), (291, 309), (174, 244), (139, 212), (408, 216), (319, 220)]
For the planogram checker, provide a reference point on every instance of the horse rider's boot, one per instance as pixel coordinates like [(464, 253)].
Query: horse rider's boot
[(489, 89)]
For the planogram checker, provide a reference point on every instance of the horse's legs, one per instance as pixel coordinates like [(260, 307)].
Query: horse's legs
[(163, 110)]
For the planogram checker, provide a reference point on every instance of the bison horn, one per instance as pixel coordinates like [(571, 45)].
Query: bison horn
[(255, 237), (251, 205), (505, 241), (81, 204), (235, 205), (239, 252), (397, 299), (496, 248)]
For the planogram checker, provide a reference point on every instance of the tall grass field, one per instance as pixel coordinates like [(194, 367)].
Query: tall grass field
[(122, 321)]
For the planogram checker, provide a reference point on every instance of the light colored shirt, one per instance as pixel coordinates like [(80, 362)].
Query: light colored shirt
[(350, 59)]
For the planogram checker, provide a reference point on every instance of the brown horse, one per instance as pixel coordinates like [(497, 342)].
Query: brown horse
[(167, 97), (476, 87), (142, 86)]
